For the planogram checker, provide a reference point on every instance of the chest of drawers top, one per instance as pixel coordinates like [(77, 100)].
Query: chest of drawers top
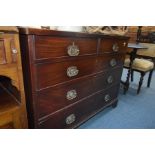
[(45, 32), (51, 44)]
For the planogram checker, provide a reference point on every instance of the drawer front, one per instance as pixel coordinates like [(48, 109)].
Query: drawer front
[(55, 73), (105, 97), (57, 47), (110, 61), (109, 78), (58, 97), (112, 45), (70, 117)]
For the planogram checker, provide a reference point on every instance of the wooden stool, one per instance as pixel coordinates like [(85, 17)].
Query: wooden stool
[(142, 66)]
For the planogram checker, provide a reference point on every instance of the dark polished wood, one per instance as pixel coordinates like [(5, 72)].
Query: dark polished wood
[(57, 72), (107, 45), (62, 90), (81, 110), (83, 87), (57, 47)]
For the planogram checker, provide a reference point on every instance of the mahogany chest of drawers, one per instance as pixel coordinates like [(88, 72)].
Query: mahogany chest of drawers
[(69, 76)]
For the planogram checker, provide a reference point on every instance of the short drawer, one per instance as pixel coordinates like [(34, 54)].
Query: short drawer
[(55, 73), (106, 80), (107, 96), (76, 114), (58, 97), (57, 47), (109, 61), (112, 45)]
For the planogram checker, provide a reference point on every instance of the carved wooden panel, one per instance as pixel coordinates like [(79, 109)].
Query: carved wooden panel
[(13, 50), (2, 52), (8, 51)]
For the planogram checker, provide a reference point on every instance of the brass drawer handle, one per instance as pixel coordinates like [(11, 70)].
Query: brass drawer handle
[(71, 94), (107, 97), (73, 50), (115, 47), (110, 79), (113, 62), (72, 71), (70, 119)]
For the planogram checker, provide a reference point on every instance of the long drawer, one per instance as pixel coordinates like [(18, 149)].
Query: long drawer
[(57, 47), (77, 113), (50, 74), (58, 97)]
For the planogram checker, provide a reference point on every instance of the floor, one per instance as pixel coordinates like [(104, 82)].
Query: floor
[(133, 111)]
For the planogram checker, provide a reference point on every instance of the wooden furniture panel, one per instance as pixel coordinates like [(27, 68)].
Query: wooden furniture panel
[(8, 58), (63, 91), (57, 47), (7, 126), (7, 49), (11, 71), (12, 114), (2, 52), (12, 97)]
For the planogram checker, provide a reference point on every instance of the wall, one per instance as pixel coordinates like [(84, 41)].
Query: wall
[(132, 32)]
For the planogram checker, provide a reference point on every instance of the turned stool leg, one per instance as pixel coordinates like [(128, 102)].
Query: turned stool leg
[(140, 82), (149, 78), (126, 85), (132, 74)]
